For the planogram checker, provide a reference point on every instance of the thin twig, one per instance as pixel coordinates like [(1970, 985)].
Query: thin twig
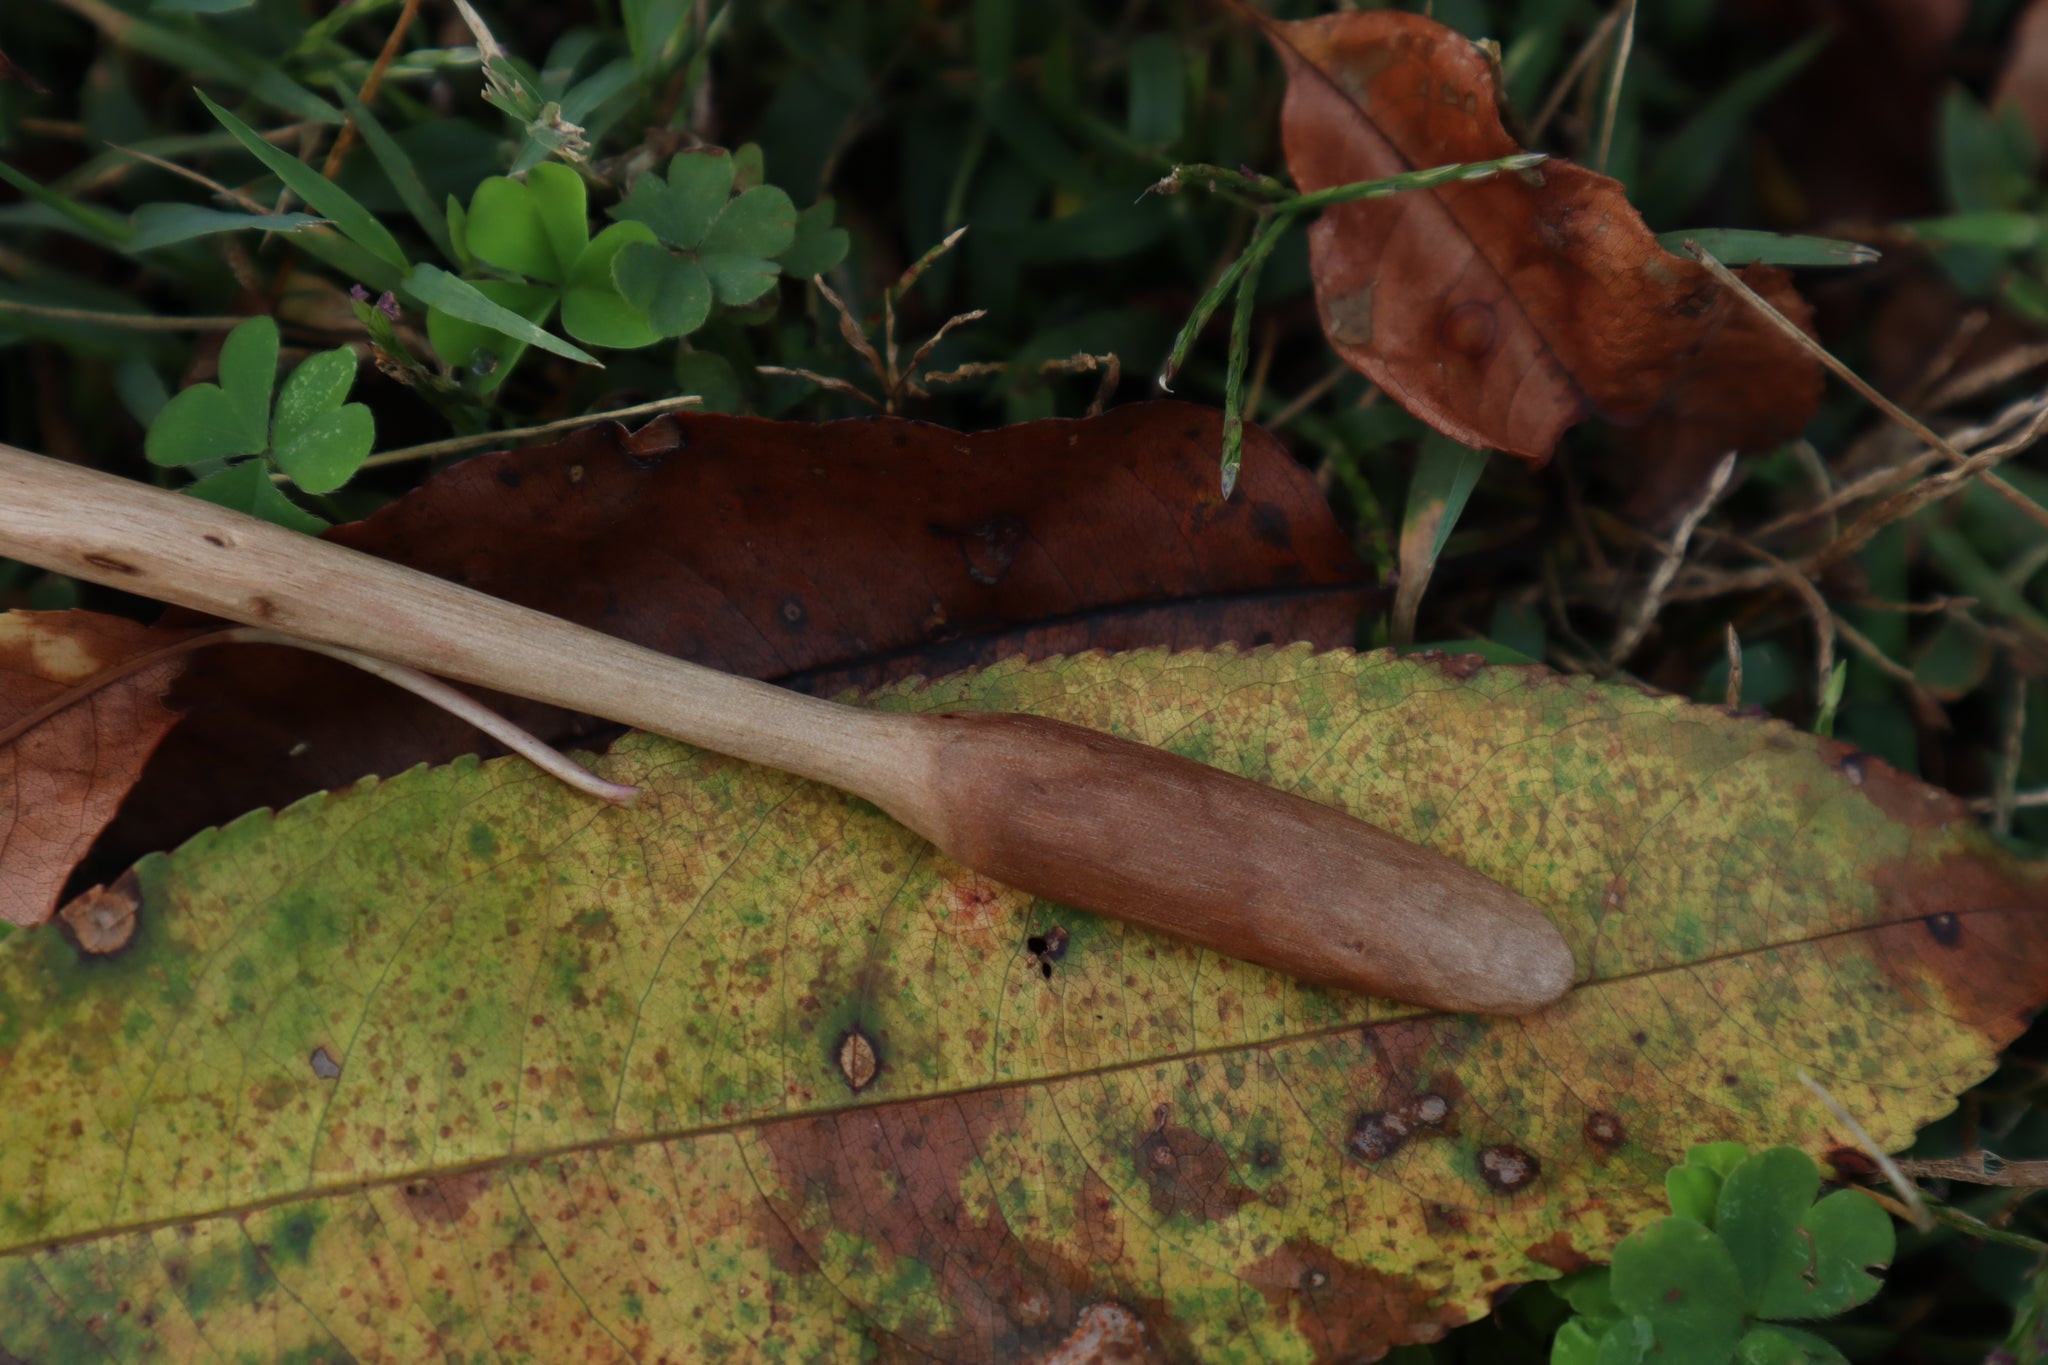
[(1915, 1205), (829, 383), (206, 182), (429, 689), (1816, 607), (1667, 565), (511, 436), (1306, 399), (1980, 1168), (1797, 334), (2006, 781), (1883, 662), (346, 138), (1732, 693), (134, 322), (1944, 360), (1597, 40), (2030, 800), (1999, 369), (1622, 48)]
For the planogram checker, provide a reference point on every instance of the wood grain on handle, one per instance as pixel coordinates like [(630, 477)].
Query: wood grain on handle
[(1056, 810)]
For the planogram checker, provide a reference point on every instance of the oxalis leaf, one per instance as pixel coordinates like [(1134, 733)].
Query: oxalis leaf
[(749, 1071)]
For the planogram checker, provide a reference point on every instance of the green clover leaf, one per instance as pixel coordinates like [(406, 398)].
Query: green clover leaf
[(1759, 1209), (215, 421), (717, 238), (316, 436), (1678, 1276), (538, 229)]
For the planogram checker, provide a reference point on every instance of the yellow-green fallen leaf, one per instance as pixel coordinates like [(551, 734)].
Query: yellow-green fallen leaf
[(461, 1065)]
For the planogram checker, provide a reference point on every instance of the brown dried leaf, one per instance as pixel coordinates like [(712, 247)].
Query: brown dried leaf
[(1503, 311), (62, 776)]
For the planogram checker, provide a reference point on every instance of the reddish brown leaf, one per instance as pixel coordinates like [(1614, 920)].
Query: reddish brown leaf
[(62, 776), (826, 557), (1503, 311), (2023, 84)]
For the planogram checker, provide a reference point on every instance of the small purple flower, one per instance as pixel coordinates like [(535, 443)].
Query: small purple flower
[(387, 303), (358, 293)]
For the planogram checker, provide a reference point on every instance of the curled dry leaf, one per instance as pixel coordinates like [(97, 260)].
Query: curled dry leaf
[(821, 556), (455, 1065), (1503, 311), (62, 776)]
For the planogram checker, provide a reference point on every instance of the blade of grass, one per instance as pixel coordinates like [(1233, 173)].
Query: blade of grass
[(98, 225), (354, 221), (198, 52), (1445, 475), (436, 288), (1746, 246), (399, 170), (1254, 261)]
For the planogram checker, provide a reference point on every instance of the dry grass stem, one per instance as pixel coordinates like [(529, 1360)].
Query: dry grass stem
[(238, 198), (1884, 663), (1916, 1207), (134, 322), (1980, 1168), (1307, 398), (1944, 360), (514, 435), (1622, 49), (1596, 42), (917, 357), (1652, 600), (1732, 694), (827, 382), (2006, 783), (1927, 434), (2001, 369)]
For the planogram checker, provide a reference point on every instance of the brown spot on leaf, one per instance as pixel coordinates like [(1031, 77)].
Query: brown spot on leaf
[(1347, 1312), (1104, 1334), (1380, 1133), (858, 1061), (1964, 929), (1189, 1174), (1557, 1252), (1604, 1131), (1468, 330), (103, 920), (324, 1065), (1851, 1163), (443, 1199), (1506, 1168), (822, 1187), (990, 548)]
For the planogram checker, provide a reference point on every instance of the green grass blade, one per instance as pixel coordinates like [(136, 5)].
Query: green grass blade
[(1253, 261), (165, 224), (1745, 246), (399, 170), (196, 51), (436, 288), (354, 221), (92, 222), (1445, 474)]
